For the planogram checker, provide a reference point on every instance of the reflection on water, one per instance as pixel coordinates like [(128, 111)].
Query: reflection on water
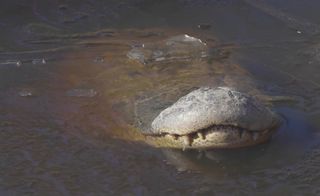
[(70, 97)]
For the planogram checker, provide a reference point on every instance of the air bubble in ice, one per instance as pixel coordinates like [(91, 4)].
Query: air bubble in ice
[(39, 61), (81, 93)]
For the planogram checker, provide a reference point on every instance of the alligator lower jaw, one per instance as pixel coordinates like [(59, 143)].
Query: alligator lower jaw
[(216, 136)]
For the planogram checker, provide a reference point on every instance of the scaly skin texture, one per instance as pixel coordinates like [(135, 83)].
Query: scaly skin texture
[(215, 118)]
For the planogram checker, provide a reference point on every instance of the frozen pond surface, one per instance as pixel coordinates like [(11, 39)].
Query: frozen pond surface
[(69, 88)]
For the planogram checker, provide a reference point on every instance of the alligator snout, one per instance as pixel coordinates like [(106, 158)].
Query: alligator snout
[(215, 118)]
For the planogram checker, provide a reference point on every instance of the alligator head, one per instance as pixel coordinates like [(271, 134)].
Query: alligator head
[(214, 118)]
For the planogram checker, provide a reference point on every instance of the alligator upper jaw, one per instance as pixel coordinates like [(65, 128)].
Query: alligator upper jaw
[(217, 136), (214, 118)]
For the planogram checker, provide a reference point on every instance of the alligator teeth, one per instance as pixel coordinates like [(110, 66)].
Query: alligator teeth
[(186, 140), (201, 135), (200, 155), (255, 136), (241, 133)]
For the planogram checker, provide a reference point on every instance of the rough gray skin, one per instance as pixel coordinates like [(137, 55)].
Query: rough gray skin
[(215, 118), (205, 107)]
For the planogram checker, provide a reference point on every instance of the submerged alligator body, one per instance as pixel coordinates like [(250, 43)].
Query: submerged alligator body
[(172, 90), (207, 117)]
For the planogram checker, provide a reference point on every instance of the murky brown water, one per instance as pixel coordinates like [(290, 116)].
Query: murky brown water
[(69, 96)]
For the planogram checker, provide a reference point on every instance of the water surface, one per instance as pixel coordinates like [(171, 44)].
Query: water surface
[(68, 94)]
